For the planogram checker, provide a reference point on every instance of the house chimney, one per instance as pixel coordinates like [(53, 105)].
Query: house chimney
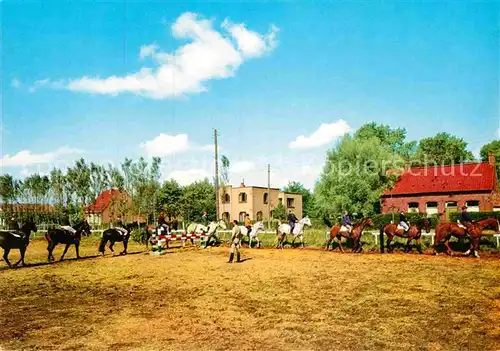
[(242, 183), (491, 159)]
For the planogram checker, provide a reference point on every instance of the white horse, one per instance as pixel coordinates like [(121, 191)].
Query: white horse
[(212, 230), (196, 228), (298, 231), (256, 227)]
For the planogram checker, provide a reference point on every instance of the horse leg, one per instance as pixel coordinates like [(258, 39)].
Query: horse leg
[(249, 242), (77, 249), (419, 246), (6, 256), (407, 246), (476, 247), (258, 242), (302, 240), (293, 241), (388, 243), (447, 244), (64, 252), (339, 239), (50, 248), (111, 243), (328, 243), (22, 251), (125, 245)]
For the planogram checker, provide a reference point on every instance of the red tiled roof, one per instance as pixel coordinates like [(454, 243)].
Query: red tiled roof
[(469, 177), (103, 201)]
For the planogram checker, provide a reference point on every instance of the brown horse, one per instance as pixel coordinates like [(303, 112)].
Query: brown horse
[(357, 231), (415, 232), (445, 231)]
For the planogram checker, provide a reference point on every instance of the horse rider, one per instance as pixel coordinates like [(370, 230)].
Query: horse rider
[(292, 219), (162, 225), (119, 226), (464, 220), (235, 242), (12, 224), (248, 224), (204, 218), (346, 222), (403, 221), (64, 222)]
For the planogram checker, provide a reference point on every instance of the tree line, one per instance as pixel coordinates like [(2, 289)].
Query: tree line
[(370, 153)]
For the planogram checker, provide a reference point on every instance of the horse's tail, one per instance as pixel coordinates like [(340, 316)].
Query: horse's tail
[(381, 239), (103, 241)]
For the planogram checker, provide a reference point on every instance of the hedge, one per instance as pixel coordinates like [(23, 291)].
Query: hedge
[(476, 216)]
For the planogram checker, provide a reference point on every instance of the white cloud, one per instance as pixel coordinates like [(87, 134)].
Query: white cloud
[(209, 54), (250, 43), (25, 157), (166, 145), (148, 50), (241, 166), (15, 83), (186, 177), (325, 134)]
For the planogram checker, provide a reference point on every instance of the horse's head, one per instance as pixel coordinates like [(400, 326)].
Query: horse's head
[(84, 228), (221, 224), (489, 223), (29, 227), (306, 221), (368, 222), (259, 226)]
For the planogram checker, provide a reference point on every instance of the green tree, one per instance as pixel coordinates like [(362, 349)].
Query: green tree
[(355, 175), (99, 180), (80, 183), (394, 139), (307, 196), (493, 147), (279, 212), (442, 149), (8, 192), (169, 198), (197, 197), (57, 186)]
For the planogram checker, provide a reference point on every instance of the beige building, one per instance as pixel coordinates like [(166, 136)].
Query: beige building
[(237, 202)]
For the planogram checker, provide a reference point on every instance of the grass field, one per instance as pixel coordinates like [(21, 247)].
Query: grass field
[(276, 300)]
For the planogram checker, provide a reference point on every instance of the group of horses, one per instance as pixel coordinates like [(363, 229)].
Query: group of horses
[(443, 233), (10, 239)]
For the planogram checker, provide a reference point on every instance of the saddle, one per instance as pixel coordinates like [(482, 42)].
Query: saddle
[(400, 227), (343, 228), (122, 231), (460, 225)]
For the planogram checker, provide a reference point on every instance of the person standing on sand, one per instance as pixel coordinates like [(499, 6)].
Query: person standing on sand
[(235, 242)]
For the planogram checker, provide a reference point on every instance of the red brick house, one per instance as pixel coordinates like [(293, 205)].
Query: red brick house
[(443, 189), (108, 206)]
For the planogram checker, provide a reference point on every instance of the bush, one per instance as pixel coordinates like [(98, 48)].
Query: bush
[(382, 220), (476, 216), (139, 235)]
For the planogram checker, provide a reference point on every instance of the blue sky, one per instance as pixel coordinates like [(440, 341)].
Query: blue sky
[(263, 74)]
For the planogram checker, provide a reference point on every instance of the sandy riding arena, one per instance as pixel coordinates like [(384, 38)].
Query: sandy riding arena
[(293, 299)]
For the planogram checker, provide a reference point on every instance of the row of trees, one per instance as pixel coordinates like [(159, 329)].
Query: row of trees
[(353, 178), (376, 154)]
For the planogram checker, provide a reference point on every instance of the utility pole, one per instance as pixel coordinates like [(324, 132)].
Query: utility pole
[(269, 196), (216, 176)]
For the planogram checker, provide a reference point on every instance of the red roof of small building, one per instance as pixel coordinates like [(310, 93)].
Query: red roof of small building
[(468, 177), (103, 200)]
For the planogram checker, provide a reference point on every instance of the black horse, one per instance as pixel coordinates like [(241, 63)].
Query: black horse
[(56, 236), (16, 239), (113, 235)]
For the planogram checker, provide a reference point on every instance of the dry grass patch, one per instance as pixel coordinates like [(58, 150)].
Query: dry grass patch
[(276, 300)]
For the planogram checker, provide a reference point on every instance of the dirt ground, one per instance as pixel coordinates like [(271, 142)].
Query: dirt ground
[(275, 300)]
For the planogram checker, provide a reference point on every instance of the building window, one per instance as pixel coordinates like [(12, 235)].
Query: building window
[(266, 198), (242, 216), (472, 206), (290, 202), (225, 216), (413, 207), (227, 198), (451, 204), (243, 197), (280, 200), (259, 216), (432, 208)]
